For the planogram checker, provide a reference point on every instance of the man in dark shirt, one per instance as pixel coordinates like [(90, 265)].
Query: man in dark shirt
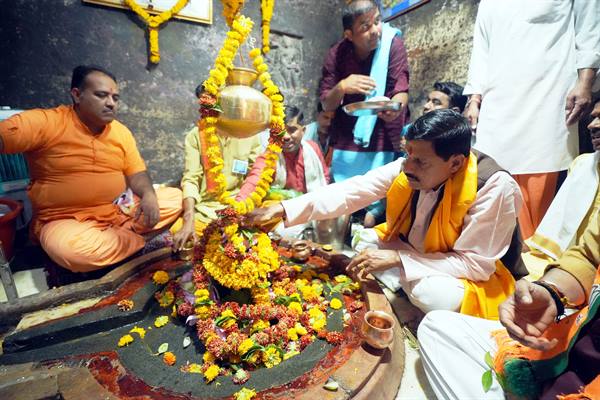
[(349, 76)]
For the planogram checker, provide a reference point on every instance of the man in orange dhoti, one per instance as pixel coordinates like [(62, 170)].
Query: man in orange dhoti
[(81, 160)]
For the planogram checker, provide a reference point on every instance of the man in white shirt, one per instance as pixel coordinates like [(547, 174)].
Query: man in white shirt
[(451, 217), (531, 73)]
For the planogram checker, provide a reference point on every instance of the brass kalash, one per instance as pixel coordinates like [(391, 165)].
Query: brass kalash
[(246, 111)]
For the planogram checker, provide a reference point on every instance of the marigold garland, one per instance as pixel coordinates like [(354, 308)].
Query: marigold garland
[(212, 157), (231, 9), (153, 22), (266, 7)]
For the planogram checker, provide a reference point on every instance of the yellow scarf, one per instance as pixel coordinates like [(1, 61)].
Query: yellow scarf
[(481, 299)]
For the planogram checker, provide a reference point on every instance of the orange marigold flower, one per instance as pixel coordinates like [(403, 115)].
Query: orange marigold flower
[(169, 358)]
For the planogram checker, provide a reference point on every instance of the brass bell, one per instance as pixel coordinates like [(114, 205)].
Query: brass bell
[(246, 111)]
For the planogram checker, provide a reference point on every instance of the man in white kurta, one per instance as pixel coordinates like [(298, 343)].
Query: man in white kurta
[(531, 61), (431, 280)]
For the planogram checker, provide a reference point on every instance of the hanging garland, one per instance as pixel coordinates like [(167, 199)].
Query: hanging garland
[(231, 8), (216, 182), (266, 7), (153, 22)]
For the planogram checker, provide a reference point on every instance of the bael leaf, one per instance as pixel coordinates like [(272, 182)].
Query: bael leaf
[(163, 348), (186, 341), (488, 360), (486, 380)]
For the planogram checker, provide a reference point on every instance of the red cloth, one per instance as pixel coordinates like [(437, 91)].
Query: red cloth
[(340, 63)]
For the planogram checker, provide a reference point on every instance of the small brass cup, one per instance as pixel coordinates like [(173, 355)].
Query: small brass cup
[(378, 329), (187, 251)]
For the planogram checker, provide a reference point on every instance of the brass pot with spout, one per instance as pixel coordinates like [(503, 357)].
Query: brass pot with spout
[(246, 111)]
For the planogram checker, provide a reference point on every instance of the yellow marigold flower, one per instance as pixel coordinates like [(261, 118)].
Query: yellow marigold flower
[(160, 277), (253, 359), (166, 299), (300, 329), (231, 230), (308, 293), (318, 288), (279, 291), (258, 60), (139, 331), (244, 394), (271, 357), (317, 319), (295, 306), (201, 294), (255, 52), (161, 321), (245, 346), (342, 279), (211, 373), (125, 340), (262, 68), (336, 303), (208, 358), (169, 358), (292, 334), (194, 368), (259, 326)]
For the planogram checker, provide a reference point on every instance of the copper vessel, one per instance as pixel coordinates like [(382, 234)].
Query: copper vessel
[(378, 329), (301, 251), (246, 111)]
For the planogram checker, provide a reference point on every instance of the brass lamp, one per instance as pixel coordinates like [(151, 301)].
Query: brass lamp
[(246, 111)]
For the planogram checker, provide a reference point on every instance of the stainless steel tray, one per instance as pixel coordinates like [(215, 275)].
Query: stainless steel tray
[(371, 107)]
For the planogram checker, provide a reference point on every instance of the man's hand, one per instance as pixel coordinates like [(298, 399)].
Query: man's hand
[(186, 233), (262, 216), (389, 115), (149, 208), (371, 260), (527, 313), (471, 112), (369, 220), (358, 84), (578, 100)]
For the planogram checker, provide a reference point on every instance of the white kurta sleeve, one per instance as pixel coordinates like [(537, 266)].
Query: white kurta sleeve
[(478, 66), (343, 197), (485, 237), (587, 33)]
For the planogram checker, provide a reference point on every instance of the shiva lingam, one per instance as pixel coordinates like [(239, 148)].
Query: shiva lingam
[(246, 111), (378, 329)]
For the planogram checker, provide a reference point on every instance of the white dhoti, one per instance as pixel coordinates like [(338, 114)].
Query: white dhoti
[(435, 292), (453, 348)]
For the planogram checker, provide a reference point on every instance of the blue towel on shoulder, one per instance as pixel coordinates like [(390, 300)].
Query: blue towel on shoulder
[(363, 129)]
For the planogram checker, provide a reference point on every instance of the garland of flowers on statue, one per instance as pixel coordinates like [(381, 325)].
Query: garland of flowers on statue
[(216, 182), (266, 7), (153, 22)]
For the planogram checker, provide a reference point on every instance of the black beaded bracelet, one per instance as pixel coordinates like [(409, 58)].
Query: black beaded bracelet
[(556, 296)]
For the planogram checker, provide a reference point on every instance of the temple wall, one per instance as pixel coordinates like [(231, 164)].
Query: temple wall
[(43, 40)]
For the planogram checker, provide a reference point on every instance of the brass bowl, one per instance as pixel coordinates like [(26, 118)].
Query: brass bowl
[(378, 329), (246, 111)]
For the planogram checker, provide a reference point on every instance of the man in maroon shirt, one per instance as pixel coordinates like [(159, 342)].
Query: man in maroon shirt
[(346, 79)]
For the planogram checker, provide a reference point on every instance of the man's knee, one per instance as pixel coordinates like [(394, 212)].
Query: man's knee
[(437, 293)]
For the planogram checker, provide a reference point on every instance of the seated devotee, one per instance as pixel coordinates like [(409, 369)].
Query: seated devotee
[(449, 237), (200, 206), (82, 162), (577, 201), (318, 131), (444, 95), (301, 167), (550, 355)]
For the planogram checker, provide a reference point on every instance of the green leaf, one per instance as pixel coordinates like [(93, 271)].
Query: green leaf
[(221, 320), (488, 360), (486, 380), (251, 351), (163, 348)]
